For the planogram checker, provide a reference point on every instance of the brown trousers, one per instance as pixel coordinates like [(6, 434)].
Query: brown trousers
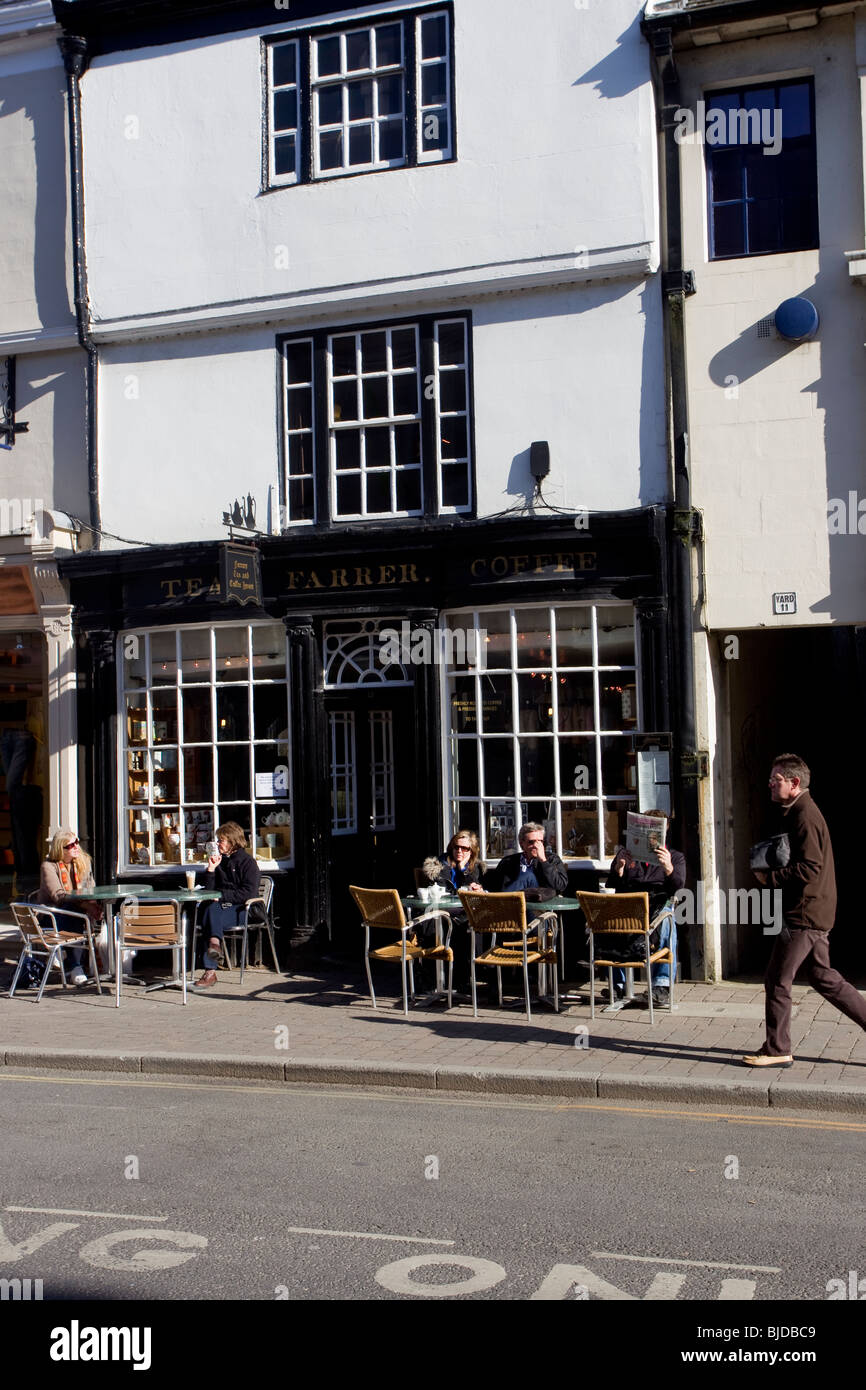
[(796, 946)]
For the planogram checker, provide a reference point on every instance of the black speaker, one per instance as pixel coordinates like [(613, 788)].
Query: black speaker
[(539, 459)]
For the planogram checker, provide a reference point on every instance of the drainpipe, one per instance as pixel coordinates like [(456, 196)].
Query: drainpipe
[(73, 50), (677, 284)]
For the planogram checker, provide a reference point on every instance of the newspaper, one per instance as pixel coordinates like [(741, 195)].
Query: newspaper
[(644, 835)]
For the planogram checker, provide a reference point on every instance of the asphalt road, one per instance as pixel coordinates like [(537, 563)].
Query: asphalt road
[(173, 1189)]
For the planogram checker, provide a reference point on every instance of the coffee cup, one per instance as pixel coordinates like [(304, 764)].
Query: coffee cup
[(190, 879), (424, 894)]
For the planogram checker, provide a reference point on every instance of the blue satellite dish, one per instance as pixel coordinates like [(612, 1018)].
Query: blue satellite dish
[(797, 319)]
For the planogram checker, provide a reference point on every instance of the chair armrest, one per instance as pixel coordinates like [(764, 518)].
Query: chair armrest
[(666, 911), (251, 902), (55, 912), (430, 916)]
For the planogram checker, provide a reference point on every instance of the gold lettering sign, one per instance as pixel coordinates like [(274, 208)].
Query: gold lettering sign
[(372, 576)]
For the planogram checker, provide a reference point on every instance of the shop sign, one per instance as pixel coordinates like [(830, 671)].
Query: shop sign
[(240, 574), (370, 576), (784, 603), (542, 565)]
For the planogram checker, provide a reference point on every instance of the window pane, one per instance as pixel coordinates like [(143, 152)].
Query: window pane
[(300, 454), (729, 232), (302, 506), (463, 720), (377, 447), (299, 363), (328, 56), (433, 84), (389, 44), (345, 400), (331, 150), (618, 704), (575, 697), (195, 651), (455, 486), (409, 491), (284, 60), (403, 347), (234, 772), (391, 139), (573, 637), (795, 106), (163, 658), (285, 110), (343, 356), (348, 449), (764, 224), (233, 720), (301, 408), (379, 492), (466, 771), (375, 394), (360, 99), (407, 444), (452, 350), (533, 638), (496, 712), (453, 435), (580, 829), (198, 774), (536, 766), (434, 37), (727, 176), (498, 766), (270, 712), (577, 772), (360, 144), (348, 495), (615, 636), (232, 655), (330, 105), (284, 155), (535, 712), (269, 652), (799, 223), (358, 50), (434, 130), (391, 95), (164, 726), (406, 395), (497, 648), (374, 356), (197, 726), (452, 391)]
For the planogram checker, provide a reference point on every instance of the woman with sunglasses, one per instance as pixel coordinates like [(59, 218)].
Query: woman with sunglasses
[(68, 869), (459, 867)]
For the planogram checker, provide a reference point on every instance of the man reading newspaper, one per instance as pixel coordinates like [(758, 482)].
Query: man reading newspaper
[(646, 865)]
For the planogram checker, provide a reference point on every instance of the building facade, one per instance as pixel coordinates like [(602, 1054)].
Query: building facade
[(384, 488)]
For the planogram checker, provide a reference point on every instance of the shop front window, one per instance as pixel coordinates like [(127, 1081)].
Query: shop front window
[(204, 740), (547, 729)]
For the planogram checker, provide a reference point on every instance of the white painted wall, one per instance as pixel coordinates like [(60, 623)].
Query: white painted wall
[(188, 424), (768, 456), (556, 150)]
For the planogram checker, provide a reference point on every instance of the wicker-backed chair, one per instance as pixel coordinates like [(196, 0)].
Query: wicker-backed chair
[(381, 907), (504, 915), (47, 939), (143, 925), (244, 927), (626, 914)]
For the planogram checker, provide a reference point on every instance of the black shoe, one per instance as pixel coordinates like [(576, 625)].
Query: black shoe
[(662, 997)]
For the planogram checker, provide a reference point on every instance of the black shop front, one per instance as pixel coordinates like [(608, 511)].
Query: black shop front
[(350, 697)]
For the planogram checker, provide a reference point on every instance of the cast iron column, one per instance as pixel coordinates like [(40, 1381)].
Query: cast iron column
[(311, 801)]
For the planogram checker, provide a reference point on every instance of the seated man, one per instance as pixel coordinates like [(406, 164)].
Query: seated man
[(660, 881), (536, 866)]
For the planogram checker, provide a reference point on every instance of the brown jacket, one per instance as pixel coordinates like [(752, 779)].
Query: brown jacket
[(808, 882), (51, 890)]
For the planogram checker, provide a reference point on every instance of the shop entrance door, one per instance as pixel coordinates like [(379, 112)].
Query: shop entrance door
[(372, 754)]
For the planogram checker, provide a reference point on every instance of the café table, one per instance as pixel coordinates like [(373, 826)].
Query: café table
[(186, 897), (109, 894)]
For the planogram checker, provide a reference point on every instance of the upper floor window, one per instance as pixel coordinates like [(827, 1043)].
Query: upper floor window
[(762, 180), (359, 99), (377, 421)]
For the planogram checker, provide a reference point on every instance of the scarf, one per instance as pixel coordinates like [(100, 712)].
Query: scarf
[(69, 876)]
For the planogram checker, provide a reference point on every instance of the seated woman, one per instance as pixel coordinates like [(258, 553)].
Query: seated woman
[(459, 867), (68, 869), (237, 876)]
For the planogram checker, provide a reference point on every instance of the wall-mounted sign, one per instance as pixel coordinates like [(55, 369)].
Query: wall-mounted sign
[(784, 603), (240, 574)]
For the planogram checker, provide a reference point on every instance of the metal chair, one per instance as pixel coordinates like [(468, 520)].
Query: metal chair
[(243, 928), (504, 914), (625, 914), (40, 940), (381, 907), (144, 925)]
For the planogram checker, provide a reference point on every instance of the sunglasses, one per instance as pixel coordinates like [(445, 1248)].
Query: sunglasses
[(71, 844)]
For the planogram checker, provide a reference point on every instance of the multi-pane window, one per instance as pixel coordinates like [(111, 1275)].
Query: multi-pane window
[(344, 773), (762, 180), (204, 740), (543, 727), (361, 98), (392, 402)]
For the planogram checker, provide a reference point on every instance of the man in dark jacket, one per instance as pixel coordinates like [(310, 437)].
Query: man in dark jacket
[(237, 876), (808, 888), (661, 880), (536, 866)]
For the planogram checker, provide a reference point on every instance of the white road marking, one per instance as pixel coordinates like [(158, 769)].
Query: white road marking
[(693, 1264), (396, 1277), (101, 1252), (365, 1235), (103, 1215)]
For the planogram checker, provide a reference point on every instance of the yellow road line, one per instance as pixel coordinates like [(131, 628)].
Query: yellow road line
[(485, 1101)]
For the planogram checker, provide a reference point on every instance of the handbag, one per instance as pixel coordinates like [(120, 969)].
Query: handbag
[(767, 855)]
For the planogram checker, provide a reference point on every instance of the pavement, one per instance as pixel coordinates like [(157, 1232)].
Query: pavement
[(318, 1025)]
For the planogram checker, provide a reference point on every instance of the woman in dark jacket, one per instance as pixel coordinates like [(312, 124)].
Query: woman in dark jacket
[(460, 866), (237, 876)]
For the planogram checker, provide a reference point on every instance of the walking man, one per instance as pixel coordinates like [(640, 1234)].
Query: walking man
[(808, 887)]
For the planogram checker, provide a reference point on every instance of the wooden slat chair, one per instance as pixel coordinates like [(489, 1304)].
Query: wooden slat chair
[(381, 907), (626, 914), (143, 925), (504, 915), (242, 930), (47, 939)]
